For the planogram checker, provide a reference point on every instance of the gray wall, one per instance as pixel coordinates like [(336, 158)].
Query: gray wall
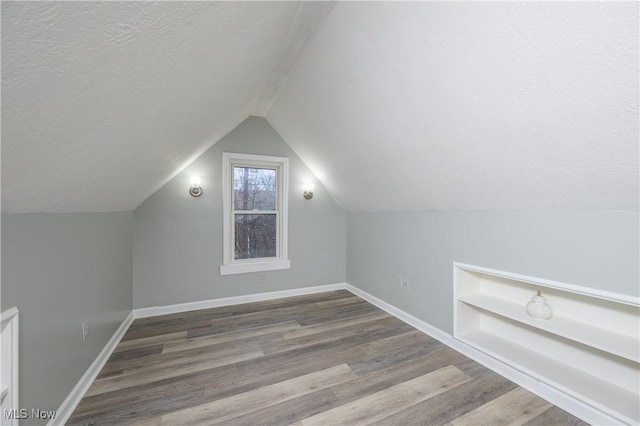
[(597, 249), (60, 270), (177, 248)]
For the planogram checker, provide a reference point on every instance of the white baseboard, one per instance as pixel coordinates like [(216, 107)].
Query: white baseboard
[(73, 399), (555, 396), (426, 328), (568, 403), (235, 300)]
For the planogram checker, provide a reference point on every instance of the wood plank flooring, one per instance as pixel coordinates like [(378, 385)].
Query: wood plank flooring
[(323, 359)]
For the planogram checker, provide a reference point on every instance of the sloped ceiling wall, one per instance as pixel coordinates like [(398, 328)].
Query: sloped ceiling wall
[(394, 105), (103, 102), (469, 105)]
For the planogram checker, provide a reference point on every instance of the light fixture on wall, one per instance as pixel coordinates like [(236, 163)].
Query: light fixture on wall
[(196, 189), (308, 191)]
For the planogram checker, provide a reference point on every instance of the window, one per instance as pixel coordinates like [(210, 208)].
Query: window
[(255, 189)]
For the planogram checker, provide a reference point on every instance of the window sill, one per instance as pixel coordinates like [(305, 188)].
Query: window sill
[(242, 268)]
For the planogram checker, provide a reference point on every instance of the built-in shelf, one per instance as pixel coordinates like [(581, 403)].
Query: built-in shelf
[(587, 334), (589, 350), (598, 392)]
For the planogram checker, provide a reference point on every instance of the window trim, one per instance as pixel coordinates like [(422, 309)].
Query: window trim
[(229, 264)]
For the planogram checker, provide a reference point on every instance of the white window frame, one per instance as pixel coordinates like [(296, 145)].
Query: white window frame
[(281, 261)]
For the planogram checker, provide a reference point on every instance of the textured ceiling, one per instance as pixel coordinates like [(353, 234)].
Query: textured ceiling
[(481, 105), (394, 105), (103, 102)]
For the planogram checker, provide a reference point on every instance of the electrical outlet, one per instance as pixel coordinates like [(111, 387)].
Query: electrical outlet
[(405, 284), (85, 330), (262, 277)]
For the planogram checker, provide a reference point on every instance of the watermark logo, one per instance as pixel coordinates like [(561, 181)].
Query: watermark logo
[(23, 414)]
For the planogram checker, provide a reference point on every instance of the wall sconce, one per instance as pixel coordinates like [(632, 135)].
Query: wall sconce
[(308, 191), (196, 189)]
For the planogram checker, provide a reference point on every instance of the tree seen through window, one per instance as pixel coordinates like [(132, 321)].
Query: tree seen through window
[(255, 212)]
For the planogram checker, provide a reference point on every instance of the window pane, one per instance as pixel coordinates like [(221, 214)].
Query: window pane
[(254, 188), (255, 236)]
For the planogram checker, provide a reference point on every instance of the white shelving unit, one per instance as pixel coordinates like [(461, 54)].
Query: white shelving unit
[(589, 350)]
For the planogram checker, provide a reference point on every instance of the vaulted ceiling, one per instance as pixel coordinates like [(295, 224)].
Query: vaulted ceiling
[(393, 105), (103, 102)]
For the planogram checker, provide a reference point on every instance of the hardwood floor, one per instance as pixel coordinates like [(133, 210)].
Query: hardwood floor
[(323, 359)]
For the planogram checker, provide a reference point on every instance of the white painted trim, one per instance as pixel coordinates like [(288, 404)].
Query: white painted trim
[(12, 317), (234, 300), (616, 297), (241, 268), (226, 208), (555, 396), (282, 166), (8, 314), (73, 399), (426, 328)]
